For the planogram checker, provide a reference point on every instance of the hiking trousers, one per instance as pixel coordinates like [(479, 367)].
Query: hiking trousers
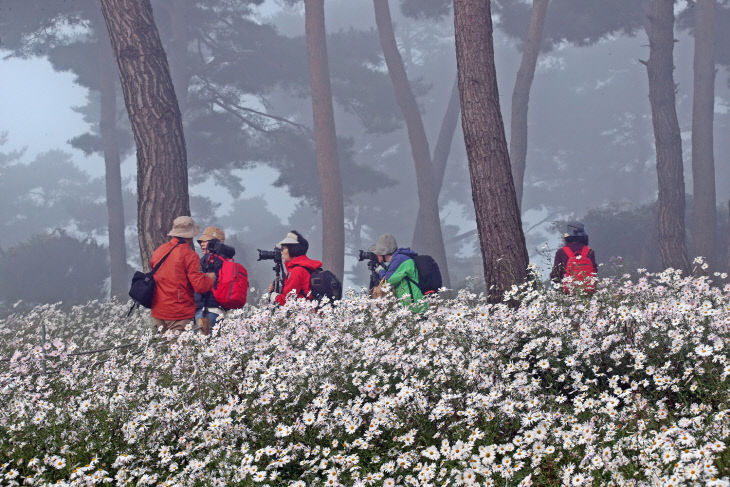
[(165, 325)]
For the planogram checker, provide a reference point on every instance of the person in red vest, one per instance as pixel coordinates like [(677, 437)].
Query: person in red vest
[(178, 278), (575, 260)]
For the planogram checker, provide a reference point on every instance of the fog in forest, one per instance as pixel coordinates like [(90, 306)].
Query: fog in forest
[(241, 77)]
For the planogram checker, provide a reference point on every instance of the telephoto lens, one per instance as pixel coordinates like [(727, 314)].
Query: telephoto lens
[(269, 254)]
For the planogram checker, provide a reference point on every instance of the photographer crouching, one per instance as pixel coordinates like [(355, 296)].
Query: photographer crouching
[(207, 309)]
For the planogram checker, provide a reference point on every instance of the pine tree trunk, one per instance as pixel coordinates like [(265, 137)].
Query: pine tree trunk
[(328, 165), (162, 171), (502, 240), (427, 236), (521, 96), (703, 107), (446, 136), (668, 143), (112, 165)]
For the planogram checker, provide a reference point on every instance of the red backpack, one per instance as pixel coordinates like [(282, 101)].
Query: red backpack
[(580, 268), (232, 286)]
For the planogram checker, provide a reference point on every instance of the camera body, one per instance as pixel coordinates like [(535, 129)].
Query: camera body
[(274, 255), (365, 255), (372, 265), (217, 247)]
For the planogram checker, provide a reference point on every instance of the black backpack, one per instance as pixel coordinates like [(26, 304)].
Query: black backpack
[(324, 283), (429, 275)]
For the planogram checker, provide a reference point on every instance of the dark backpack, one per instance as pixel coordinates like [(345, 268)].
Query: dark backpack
[(324, 283), (429, 274), (142, 289)]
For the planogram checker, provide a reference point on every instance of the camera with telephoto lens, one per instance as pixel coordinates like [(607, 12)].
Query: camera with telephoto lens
[(217, 247), (365, 255), (274, 255), (372, 265)]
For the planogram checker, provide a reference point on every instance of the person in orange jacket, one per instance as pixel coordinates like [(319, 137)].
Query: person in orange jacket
[(178, 278), (298, 266)]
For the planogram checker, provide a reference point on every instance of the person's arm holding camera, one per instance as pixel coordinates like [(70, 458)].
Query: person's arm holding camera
[(207, 267), (201, 282)]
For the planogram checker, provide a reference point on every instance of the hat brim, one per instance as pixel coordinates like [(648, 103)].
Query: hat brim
[(287, 241), (379, 251), (189, 234)]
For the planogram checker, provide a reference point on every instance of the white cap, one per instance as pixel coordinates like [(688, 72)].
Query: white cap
[(291, 238)]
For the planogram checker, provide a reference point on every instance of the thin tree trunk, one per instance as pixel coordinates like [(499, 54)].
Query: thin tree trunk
[(502, 241), (521, 96), (112, 164), (328, 164), (667, 140), (728, 236), (427, 236), (703, 107), (162, 171), (446, 136)]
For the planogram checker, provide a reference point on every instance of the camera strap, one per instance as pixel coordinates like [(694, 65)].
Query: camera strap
[(152, 272), (135, 304)]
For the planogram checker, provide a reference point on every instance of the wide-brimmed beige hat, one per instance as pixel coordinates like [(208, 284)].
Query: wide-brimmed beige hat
[(183, 227), (291, 238), (385, 245), (210, 233)]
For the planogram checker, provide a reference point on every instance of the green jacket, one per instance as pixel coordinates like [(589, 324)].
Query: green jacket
[(402, 286)]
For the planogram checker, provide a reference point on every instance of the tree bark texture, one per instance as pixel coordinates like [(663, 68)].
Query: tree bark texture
[(667, 140), (162, 172), (445, 138), (504, 253), (703, 111), (112, 165), (427, 236), (521, 96), (328, 164)]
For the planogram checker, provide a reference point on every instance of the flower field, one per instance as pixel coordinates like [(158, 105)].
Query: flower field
[(628, 387)]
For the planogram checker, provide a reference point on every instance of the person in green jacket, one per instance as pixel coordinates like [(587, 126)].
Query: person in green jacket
[(399, 270)]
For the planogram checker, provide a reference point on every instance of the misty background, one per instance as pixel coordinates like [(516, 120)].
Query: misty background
[(248, 120)]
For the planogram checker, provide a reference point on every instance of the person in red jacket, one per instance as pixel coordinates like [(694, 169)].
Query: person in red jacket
[(178, 278), (298, 266), (576, 243)]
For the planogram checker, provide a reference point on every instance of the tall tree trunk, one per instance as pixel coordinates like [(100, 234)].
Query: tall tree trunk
[(667, 140), (502, 240), (427, 236), (112, 164), (162, 170), (703, 111), (521, 96), (446, 136), (328, 164)]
